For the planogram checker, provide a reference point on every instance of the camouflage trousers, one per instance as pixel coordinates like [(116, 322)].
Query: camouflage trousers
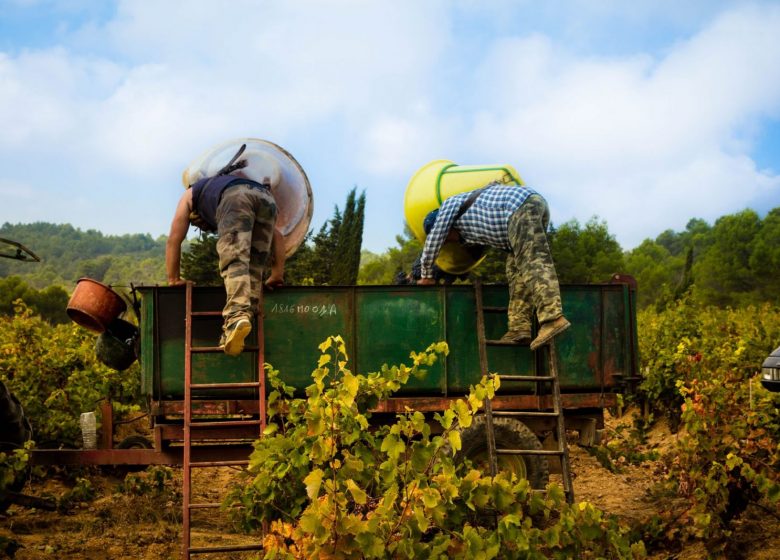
[(245, 223), (533, 282)]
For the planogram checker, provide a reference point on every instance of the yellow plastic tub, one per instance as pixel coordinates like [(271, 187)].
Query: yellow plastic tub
[(434, 183)]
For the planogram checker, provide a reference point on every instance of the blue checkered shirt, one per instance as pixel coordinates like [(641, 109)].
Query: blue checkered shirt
[(484, 223)]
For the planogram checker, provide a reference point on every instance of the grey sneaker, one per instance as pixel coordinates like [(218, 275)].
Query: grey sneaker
[(233, 340), (516, 337), (549, 330)]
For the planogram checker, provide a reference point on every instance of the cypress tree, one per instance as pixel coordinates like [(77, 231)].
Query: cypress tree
[(349, 238), (356, 238)]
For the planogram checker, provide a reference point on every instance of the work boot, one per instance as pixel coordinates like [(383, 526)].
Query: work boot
[(516, 337), (549, 330), (232, 341)]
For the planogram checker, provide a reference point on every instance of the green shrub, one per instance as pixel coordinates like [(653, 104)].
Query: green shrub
[(53, 371), (701, 365), (687, 342), (13, 465), (329, 484)]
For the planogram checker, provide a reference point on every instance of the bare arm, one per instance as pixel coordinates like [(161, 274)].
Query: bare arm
[(179, 227), (277, 269)]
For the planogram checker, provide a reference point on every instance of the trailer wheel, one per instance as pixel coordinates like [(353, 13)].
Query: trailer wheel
[(510, 434), (135, 442)]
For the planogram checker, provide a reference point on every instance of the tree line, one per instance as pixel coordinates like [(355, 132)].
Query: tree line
[(732, 262), (68, 253)]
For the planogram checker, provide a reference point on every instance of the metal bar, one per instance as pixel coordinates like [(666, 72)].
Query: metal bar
[(353, 328), (560, 426), (219, 424), (187, 475), (260, 320), (528, 452), (207, 313), (493, 342), (443, 295), (107, 427), (250, 385), (602, 338), (211, 406), (525, 377), (215, 505), (168, 456), (233, 548), (218, 349), (202, 464), (171, 432), (156, 373), (493, 309), (502, 402), (483, 366), (522, 413), (516, 401)]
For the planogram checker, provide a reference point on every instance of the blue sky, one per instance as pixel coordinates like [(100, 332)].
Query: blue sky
[(643, 113)]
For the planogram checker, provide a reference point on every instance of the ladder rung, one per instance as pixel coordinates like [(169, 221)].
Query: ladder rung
[(201, 464), (218, 349), (494, 309), (205, 506), (496, 342), (569, 494), (529, 414), (224, 424), (525, 377), (206, 314), (214, 505), (233, 548), (247, 385), (528, 452)]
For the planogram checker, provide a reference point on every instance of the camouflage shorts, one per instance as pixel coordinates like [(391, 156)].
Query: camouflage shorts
[(245, 223), (533, 282)]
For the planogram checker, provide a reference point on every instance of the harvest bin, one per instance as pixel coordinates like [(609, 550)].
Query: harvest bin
[(597, 357), (382, 325)]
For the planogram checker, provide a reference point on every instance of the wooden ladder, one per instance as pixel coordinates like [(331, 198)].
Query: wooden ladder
[(550, 380), (192, 422)]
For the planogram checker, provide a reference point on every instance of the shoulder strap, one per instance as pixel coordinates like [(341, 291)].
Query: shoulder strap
[(469, 201), (229, 168)]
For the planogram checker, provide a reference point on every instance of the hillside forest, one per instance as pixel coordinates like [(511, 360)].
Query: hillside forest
[(732, 262)]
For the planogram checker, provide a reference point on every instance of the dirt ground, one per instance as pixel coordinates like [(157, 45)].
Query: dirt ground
[(115, 525)]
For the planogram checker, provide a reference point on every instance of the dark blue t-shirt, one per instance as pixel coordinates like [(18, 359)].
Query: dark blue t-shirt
[(205, 200)]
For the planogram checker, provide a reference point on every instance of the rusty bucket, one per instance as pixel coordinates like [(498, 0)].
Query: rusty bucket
[(94, 305)]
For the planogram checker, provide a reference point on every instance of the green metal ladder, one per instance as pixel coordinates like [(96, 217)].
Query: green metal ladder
[(551, 381), (193, 423)]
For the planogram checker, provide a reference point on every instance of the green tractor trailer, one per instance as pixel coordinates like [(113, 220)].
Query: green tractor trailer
[(596, 361)]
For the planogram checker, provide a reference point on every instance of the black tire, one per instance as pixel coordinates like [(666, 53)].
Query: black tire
[(135, 442), (132, 442), (510, 434)]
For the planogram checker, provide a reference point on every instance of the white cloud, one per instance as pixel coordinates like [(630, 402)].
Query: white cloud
[(645, 144), (643, 140)]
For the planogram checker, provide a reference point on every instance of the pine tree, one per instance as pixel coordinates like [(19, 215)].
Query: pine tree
[(201, 263)]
